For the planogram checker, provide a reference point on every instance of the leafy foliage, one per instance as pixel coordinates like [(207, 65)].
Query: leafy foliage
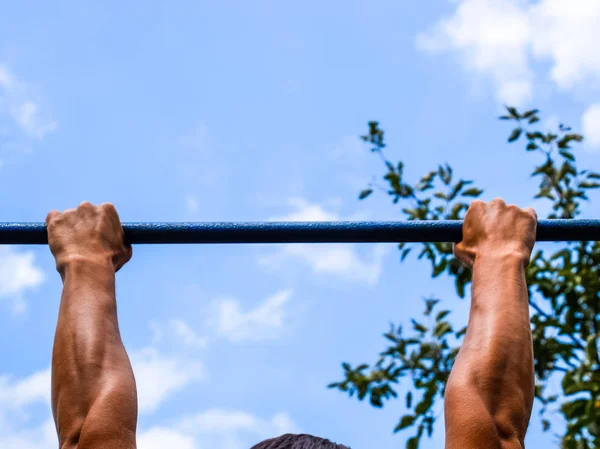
[(564, 295)]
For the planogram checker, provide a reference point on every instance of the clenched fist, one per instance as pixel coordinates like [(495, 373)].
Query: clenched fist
[(88, 233), (496, 228)]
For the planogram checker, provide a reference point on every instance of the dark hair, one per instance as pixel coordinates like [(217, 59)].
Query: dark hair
[(302, 441)]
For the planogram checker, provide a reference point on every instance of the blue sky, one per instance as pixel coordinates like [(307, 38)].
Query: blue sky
[(208, 111)]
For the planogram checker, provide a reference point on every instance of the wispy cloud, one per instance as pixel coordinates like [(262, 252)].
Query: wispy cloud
[(502, 39), (191, 205), (160, 437), (187, 336), (18, 396), (158, 376), (18, 393), (217, 429), (214, 428), (264, 322), (18, 104), (590, 124), (18, 274), (340, 259)]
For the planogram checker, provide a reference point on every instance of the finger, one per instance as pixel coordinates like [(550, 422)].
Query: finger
[(473, 207), (111, 211), (497, 202), (69, 211), (531, 210), (52, 215), (85, 209), (462, 255)]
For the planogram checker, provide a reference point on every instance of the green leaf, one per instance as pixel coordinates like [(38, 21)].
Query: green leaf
[(513, 112), (593, 175), (441, 315), (430, 303), (365, 193), (473, 191), (574, 409), (405, 421), (533, 120), (418, 326), (530, 113), (545, 425), (405, 252), (441, 329), (445, 174), (515, 134), (412, 443), (438, 269), (460, 288), (588, 185), (457, 188), (532, 146), (409, 397), (414, 213), (591, 348), (567, 155)]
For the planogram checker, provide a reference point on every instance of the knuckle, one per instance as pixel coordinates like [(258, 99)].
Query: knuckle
[(69, 211), (110, 207), (85, 204), (497, 201), (52, 216)]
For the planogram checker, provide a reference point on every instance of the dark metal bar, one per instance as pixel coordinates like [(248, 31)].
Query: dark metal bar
[(303, 232)]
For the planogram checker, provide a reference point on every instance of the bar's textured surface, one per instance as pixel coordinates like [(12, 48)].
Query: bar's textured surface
[(303, 232)]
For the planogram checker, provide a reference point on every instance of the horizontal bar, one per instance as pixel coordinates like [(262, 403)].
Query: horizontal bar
[(303, 232)]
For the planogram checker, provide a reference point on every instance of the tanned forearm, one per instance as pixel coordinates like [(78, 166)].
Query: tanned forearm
[(90, 368), (491, 388)]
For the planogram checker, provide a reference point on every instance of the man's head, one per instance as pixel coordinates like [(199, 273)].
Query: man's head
[(290, 441)]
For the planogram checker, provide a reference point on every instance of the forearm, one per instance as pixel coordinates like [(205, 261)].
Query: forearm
[(493, 372), (90, 368)]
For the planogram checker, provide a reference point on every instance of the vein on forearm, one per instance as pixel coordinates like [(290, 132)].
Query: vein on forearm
[(89, 360), (496, 358)]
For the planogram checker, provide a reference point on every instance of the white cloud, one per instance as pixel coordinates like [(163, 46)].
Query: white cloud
[(234, 429), (191, 204), (187, 335), (19, 393), (306, 212), (38, 437), (161, 437), (158, 376), (213, 428), (6, 79), (216, 429), (17, 399), (568, 34), (590, 124), (14, 94), (18, 273), (264, 322), (502, 39), (339, 259)]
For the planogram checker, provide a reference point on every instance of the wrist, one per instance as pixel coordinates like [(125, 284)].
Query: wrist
[(77, 265), (504, 253)]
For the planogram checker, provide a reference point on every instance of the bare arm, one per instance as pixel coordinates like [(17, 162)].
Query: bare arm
[(94, 399), (490, 391)]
